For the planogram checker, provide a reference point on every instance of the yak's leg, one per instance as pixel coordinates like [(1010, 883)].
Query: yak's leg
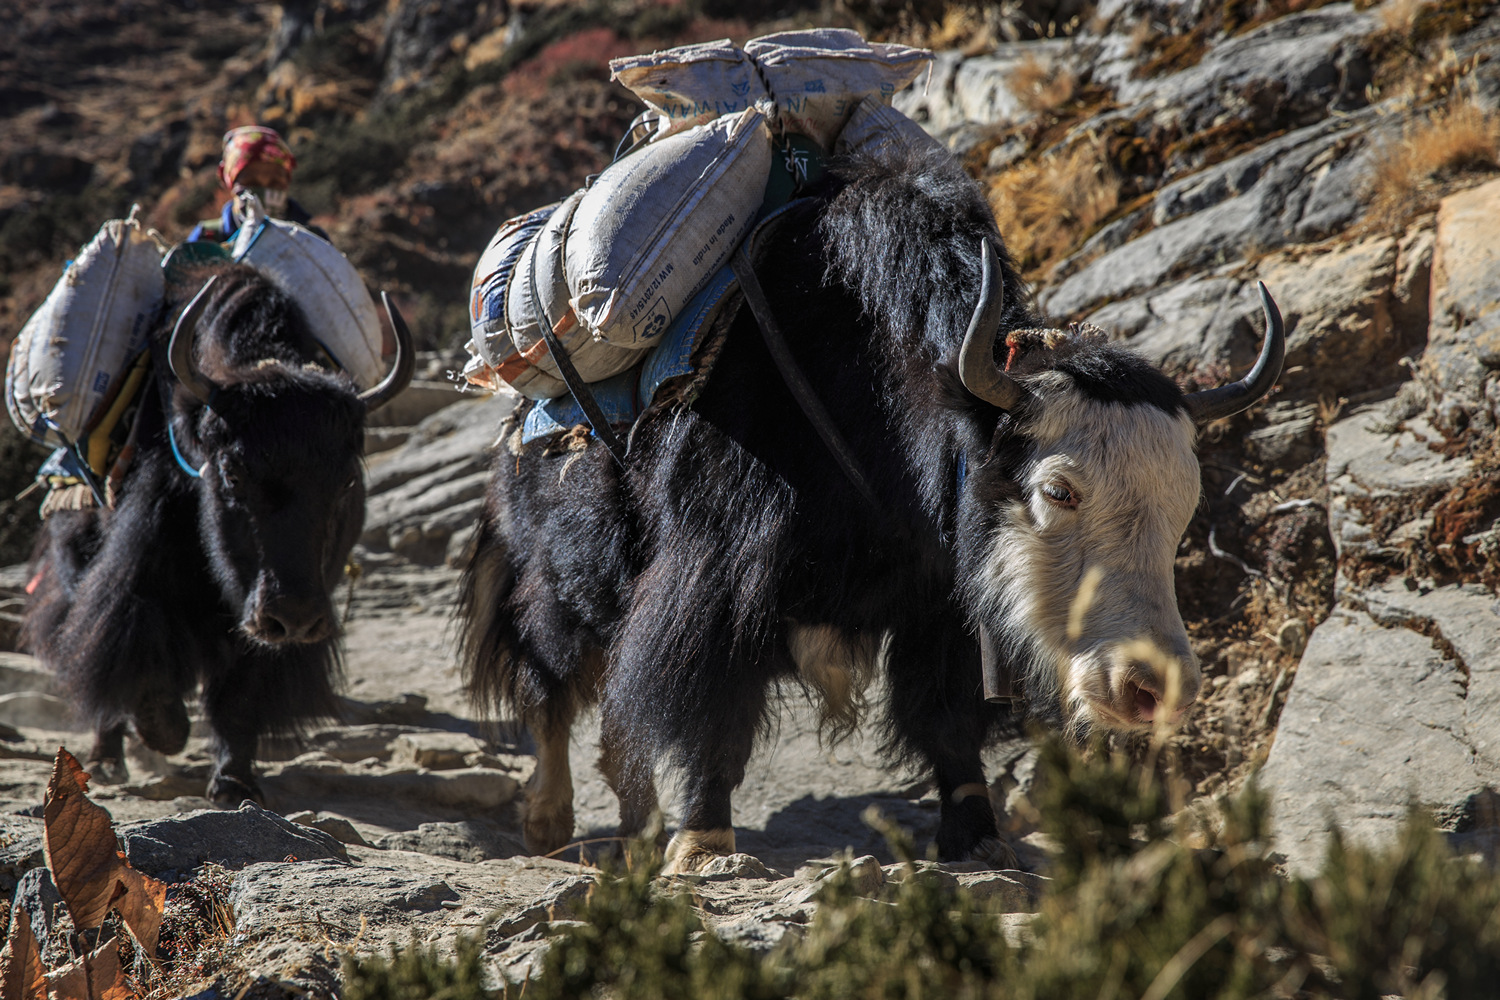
[(706, 833), (940, 713), (235, 723), (161, 720), (548, 823), (106, 761), (634, 786), (707, 828)]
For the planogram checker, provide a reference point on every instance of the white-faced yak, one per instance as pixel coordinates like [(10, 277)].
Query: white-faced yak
[(216, 566), (729, 551)]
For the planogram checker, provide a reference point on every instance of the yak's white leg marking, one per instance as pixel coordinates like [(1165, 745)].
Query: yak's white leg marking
[(548, 823), (690, 850)]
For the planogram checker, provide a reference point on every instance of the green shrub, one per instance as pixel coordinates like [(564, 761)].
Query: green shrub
[(1132, 913), (417, 973)]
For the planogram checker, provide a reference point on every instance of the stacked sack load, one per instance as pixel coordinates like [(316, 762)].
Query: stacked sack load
[(77, 366), (607, 270), (332, 296)]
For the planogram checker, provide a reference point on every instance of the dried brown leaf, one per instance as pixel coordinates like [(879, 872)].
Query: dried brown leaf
[(21, 962), (96, 977), (88, 869)]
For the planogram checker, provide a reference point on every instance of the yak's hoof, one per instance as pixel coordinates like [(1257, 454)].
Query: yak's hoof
[(109, 771), (547, 831), (227, 792), (163, 725), (690, 850), (995, 852)]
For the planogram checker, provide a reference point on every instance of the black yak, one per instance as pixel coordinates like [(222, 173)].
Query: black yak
[(233, 524), (730, 552)]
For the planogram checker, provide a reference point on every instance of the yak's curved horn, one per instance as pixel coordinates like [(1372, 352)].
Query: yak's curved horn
[(399, 377), (1211, 404), (180, 349), (976, 358)]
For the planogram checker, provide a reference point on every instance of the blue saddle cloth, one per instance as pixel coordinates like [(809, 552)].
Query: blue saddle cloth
[(623, 397), (626, 395)]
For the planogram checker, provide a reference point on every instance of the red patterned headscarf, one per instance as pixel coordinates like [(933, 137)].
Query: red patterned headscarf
[(253, 144)]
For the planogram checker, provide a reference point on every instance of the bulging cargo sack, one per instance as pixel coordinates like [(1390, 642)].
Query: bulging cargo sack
[(658, 224), (817, 76), (307, 268), (814, 78), (538, 294), (68, 361), (492, 276), (691, 84), (881, 131)]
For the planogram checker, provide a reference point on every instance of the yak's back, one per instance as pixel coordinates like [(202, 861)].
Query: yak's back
[(904, 232)]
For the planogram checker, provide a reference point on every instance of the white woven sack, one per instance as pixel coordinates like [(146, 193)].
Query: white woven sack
[(68, 358), (492, 278), (817, 76), (657, 225), (691, 84), (881, 131), (538, 294), (307, 268)]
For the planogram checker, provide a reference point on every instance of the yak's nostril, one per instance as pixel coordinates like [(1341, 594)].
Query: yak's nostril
[(272, 628), (1144, 701)]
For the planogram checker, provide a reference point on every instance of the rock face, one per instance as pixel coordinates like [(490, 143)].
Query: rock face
[(1361, 761), (1462, 362)]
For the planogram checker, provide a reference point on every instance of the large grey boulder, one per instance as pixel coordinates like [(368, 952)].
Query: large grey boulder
[(977, 90), (170, 849), (1376, 720), (431, 488)]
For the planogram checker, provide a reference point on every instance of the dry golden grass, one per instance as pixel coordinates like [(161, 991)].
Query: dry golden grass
[(1047, 207), (1400, 16), (961, 27), (1408, 172), (1141, 36), (1041, 86)]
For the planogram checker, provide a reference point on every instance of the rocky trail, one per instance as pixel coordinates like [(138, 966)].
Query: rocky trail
[(1148, 162), (403, 818)]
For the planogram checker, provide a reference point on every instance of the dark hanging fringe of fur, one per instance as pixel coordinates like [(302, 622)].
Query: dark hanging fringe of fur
[(904, 234)]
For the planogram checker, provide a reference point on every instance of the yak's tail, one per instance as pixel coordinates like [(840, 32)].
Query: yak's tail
[(904, 233), (487, 630)]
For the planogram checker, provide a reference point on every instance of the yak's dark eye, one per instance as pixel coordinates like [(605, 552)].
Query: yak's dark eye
[(1060, 493)]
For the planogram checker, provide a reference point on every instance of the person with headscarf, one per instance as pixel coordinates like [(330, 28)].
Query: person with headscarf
[(256, 161)]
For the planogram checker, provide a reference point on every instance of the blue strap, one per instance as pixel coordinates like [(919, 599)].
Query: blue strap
[(181, 462)]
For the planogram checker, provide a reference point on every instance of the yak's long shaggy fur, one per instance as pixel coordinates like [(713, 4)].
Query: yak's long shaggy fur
[(139, 604), (731, 526)]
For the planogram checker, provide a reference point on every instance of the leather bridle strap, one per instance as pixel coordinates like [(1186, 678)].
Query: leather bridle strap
[(580, 389), (801, 389)]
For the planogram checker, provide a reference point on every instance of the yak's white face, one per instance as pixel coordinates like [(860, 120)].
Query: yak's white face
[(1108, 492)]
